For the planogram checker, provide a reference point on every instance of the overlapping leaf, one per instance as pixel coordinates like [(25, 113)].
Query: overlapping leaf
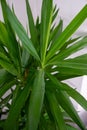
[(36, 101), (70, 29), (20, 31)]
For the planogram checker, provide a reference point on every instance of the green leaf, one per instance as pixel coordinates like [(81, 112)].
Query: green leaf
[(16, 107), (55, 13), (33, 31), (7, 65), (20, 31), (55, 109), (36, 101), (69, 30), (5, 101), (69, 42), (10, 44), (56, 32), (66, 104), (46, 19), (70, 50), (4, 76), (24, 58), (5, 87), (71, 127), (63, 76), (73, 66), (72, 92)]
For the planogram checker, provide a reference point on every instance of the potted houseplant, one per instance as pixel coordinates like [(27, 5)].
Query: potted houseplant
[(32, 68)]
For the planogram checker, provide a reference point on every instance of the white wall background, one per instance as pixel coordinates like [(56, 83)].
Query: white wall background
[(68, 9)]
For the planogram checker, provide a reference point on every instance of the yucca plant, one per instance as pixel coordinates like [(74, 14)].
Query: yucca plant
[(32, 68)]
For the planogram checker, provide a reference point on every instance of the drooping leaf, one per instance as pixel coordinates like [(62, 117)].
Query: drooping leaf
[(55, 109), (72, 92), (66, 104)]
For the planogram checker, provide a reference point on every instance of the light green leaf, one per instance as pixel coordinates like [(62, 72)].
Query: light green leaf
[(69, 30), (46, 19), (36, 101), (70, 50)]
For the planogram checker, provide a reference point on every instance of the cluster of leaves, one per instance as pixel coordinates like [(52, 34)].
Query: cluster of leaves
[(32, 69)]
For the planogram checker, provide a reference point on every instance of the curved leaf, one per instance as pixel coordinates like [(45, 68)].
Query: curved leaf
[(55, 109)]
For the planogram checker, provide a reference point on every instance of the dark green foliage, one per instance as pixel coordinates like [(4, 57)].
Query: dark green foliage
[(37, 99)]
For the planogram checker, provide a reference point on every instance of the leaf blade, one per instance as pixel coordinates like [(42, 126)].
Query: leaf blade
[(46, 19), (36, 101), (70, 29), (18, 28), (56, 111)]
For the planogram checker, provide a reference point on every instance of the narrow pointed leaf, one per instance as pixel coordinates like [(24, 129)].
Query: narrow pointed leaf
[(72, 92), (36, 101), (16, 108), (73, 64), (56, 32), (69, 30), (7, 65), (71, 127), (70, 50), (66, 104), (46, 19), (5, 87), (11, 46), (55, 109), (4, 76), (33, 31), (20, 31)]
